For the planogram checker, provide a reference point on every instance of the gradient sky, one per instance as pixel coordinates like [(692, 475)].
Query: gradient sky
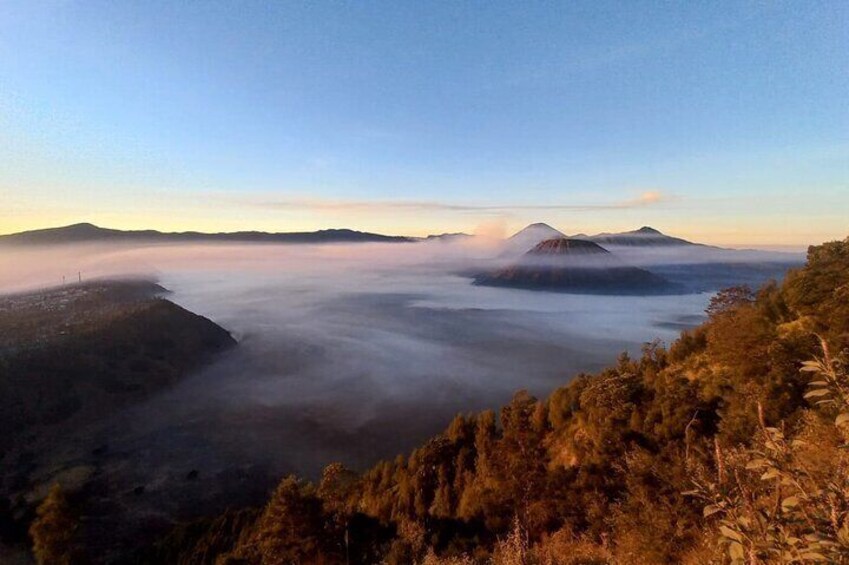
[(726, 122)]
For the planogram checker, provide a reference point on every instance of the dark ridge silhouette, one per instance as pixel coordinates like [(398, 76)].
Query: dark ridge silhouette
[(86, 232)]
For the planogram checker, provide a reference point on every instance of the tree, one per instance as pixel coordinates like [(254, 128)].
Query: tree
[(729, 299), (53, 530), (334, 490), (291, 528), (523, 458)]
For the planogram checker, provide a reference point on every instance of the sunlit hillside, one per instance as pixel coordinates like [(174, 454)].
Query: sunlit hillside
[(727, 447)]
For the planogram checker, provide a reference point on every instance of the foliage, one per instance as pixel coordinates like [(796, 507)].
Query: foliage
[(53, 530), (786, 499), (717, 450)]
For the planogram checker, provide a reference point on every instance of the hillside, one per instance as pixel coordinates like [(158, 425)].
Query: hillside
[(576, 266), (726, 447), (69, 357), (65, 348), (89, 233)]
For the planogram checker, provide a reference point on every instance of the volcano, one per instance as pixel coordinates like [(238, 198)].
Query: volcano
[(577, 266), (529, 236)]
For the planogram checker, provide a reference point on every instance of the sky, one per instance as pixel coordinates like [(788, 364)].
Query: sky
[(725, 122)]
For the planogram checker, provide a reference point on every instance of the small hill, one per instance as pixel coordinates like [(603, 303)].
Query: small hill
[(90, 233), (643, 237), (577, 266)]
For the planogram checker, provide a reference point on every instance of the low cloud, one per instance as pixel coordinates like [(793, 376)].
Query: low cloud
[(348, 352), (647, 198)]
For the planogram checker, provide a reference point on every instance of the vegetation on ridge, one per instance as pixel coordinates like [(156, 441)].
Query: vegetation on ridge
[(730, 446)]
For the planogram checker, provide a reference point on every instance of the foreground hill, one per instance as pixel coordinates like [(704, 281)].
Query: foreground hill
[(70, 356), (715, 450), (576, 266), (89, 233), (64, 349)]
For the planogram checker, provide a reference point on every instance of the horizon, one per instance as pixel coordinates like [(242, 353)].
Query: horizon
[(722, 123), (577, 235)]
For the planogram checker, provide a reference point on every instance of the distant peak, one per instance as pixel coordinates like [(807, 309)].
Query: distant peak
[(649, 230), (81, 226), (540, 227)]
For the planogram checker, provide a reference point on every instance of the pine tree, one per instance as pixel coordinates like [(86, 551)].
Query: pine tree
[(53, 530)]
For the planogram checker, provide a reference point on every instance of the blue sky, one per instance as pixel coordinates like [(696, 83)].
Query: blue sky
[(724, 121)]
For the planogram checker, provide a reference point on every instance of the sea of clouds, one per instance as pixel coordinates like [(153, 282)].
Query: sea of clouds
[(347, 352)]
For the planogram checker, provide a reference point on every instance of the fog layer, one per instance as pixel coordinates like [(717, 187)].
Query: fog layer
[(347, 353)]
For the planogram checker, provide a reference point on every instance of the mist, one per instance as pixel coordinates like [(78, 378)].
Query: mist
[(31, 267), (347, 352), (702, 254)]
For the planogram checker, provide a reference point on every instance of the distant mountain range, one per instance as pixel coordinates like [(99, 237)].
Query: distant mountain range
[(525, 239), (86, 233), (446, 237), (517, 244), (642, 261), (651, 259), (578, 266), (643, 237)]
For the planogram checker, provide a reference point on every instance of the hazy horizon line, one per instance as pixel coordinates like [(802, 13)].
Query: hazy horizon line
[(778, 247)]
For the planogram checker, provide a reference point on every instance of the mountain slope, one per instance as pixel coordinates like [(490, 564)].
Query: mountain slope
[(71, 358), (71, 349), (643, 237), (89, 233)]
